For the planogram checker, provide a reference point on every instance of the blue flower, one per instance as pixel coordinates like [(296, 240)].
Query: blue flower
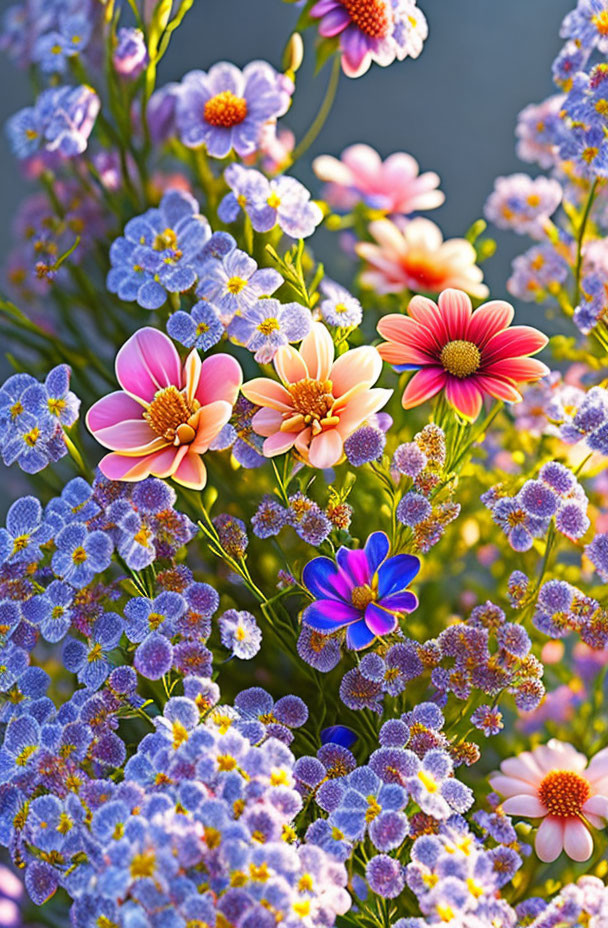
[(240, 633), (234, 283), (161, 252), (51, 611), (340, 307), (200, 328), (89, 661), (25, 531), (61, 121), (266, 325), (282, 200), (364, 591), (81, 554), (150, 615)]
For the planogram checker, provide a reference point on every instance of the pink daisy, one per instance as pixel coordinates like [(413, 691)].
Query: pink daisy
[(394, 185), (557, 784), (166, 415), (319, 401), (414, 256), (467, 354)]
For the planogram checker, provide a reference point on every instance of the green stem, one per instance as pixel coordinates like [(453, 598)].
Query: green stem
[(579, 241), (324, 111)]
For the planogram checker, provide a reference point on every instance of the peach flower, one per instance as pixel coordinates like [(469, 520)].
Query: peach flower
[(166, 415), (415, 257), (319, 402), (556, 784)]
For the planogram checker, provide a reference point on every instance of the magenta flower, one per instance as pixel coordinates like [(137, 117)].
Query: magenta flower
[(364, 590), (167, 414)]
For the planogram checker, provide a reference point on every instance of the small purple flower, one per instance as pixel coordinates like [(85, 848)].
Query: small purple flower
[(364, 590), (409, 459), (319, 650), (597, 552), (154, 656), (487, 719), (200, 328), (225, 108), (339, 307), (538, 499), (234, 283), (81, 554), (130, 55), (572, 520), (282, 200), (266, 325), (240, 633), (269, 518), (413, 508), (366, 444), (385, 876)]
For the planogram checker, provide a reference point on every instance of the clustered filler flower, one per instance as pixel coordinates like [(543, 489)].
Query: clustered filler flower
[(269, 621), (467, 355)]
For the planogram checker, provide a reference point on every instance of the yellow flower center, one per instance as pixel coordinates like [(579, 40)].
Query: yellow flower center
[(370, 16), (362, 596), (143, 866), (268, 326), (235, 284), (164, 240), (225, 110), (460, 358), (80, 555), (172, 416), (312, 401), (600, 21), (564, 792)]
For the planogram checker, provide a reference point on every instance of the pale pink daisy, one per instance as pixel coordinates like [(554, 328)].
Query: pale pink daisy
[(394, 185), (555, 783), (319, 402), (167, 414), (416, 258)]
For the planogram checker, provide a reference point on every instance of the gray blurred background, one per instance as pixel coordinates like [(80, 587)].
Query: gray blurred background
[(454, 108)]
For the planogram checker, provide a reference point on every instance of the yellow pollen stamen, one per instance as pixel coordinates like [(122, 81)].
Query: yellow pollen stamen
[(172, 416), (225, 110), (460, 358), (312, 401), (143, 866), (235, 285), (372, 17), (268, 326), (564, 792), (362, 596), (79, 556)]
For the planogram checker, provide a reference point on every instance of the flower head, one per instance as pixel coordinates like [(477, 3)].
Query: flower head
[(166, 415), (415, 257), (319, 401), (557, 784), (364, 590), (467, 354)]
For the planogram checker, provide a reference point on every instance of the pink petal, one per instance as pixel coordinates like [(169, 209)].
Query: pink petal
[(279, 443), (524, 767), (360, 408), (146, 363), (290, 365), (597, 805), (456, 309), (489, 320), (511, 786), (426, 312), (578, 843), (529, 806), (123, 467), (423, 385), (326, 449), (267, 421), (265, 392), (516, 342), (559, 755), (334, 22), (191, 472), (521, 370), (549, 840), (212, 420), (407, 331), (497, 387), (464, 396), (112, 409), (317, 351), (598, 766), (191, 374), (394, 353), (221, 378), (132, 436), (358, 366)]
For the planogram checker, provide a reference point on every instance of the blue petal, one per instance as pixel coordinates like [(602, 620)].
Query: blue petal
[(322, 578), (396, 573), (358, 636), (376, 549), (327, 615)]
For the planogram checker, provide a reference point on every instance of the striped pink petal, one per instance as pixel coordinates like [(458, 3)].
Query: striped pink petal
[(407, 331), (317, 351), (497, 387), (423, 385), (279, 443), (212, 420), (161, 464), (358, 366), (112, 409), (289, 365), (489, 320), (519, 369), (515, 342), (146, 363), (456, 309), (465, 396)]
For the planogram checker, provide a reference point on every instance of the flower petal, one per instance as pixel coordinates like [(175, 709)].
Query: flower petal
[(220, 379), (529, 806), (323, 579), (358, 636), (265, 392), (549, 841), (327, 615), (191, 472), (423, 385), (147, 362), (489, 320), (379, 621), (326, 449), (317, 351), (515, 342), (396, 574), (464, 396), (578, 843)]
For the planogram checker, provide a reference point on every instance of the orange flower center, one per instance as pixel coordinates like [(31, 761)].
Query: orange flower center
[(225, 110), (460, 358), (172, 416), (600, 21), (362, 596), (564, 792), (370, 16), (312, 401)]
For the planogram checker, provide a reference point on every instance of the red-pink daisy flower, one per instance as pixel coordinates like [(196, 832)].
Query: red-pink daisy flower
[(468, 354)]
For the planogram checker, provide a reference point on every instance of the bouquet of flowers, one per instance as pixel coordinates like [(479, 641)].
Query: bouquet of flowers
[(302, 614)]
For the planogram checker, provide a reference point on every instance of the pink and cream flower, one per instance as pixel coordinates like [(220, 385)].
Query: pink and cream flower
[(167, 414), (415, 257), (393, 186), (555, 783), (466, 354), (319, 401)]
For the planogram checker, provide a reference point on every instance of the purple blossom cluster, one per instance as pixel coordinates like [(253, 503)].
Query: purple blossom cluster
[(60, 122), (33, 416)]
